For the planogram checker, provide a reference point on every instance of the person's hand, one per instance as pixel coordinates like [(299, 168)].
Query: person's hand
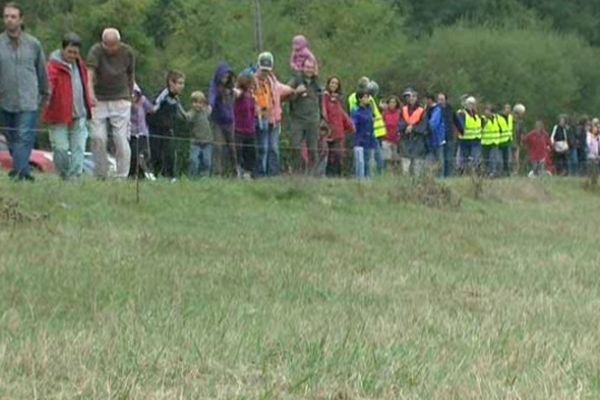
[(301, 89), (409, 129)]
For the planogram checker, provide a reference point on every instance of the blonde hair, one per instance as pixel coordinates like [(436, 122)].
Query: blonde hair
[(198, 97)]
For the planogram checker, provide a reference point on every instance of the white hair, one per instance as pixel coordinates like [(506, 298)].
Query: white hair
[(111, 34), (519, 109), (470, 100)]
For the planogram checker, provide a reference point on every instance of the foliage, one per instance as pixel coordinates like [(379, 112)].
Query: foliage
[(510, 50), (548, 72)]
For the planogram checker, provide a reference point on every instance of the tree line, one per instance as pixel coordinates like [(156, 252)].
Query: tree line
[(543, 54)]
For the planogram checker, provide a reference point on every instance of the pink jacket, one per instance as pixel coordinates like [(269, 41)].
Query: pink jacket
[(300, 53), (279, 93)]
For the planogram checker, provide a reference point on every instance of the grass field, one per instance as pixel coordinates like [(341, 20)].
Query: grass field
[(298, 290)]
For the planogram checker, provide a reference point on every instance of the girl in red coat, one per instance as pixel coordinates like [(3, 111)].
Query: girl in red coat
[(391, 117), (339, 124), (68, 108)]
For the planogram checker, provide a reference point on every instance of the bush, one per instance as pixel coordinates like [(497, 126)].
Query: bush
[(548, 72)]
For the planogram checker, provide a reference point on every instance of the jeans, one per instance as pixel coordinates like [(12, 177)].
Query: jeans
[(116, 113), (379, 161), (490, 155), (20, 136), (505, 153), (201, 159), (449, 158), (470, 154), (68, 145), (362, 159), (574, 162), (435, 157), (268, 150)]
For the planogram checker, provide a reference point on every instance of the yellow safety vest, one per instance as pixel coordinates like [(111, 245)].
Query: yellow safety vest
[(490, 135), (379, 127), (507, 126), (378, 122), (472, 127)]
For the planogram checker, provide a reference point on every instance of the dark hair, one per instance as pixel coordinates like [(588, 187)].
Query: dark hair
[(71, 39), (430, 97), (361, 93), (16, 6), (396, 99), (174, 75), (339, 89)]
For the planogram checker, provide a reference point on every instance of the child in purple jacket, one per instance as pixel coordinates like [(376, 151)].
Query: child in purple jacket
[(245, 124)]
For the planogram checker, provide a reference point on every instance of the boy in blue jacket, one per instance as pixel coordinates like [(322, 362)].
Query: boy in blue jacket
[(437, 135), (364, 139)]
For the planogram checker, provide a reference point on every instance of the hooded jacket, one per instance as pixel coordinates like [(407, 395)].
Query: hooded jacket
[(221, 98), (335, 115), (60, 109), (300, 53)]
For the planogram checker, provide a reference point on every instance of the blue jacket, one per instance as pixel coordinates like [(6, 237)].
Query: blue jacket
[(363, 121), (221, 98), (437, 127)]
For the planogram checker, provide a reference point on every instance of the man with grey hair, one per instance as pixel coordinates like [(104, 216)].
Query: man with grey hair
[(111, 66), (23, 88)]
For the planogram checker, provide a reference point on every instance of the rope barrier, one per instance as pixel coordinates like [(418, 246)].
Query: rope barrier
[(398, 155)]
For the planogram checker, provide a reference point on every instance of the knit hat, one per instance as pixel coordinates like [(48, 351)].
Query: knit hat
[(266, 61)]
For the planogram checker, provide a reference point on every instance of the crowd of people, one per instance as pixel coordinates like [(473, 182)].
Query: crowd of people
[(235, 129)]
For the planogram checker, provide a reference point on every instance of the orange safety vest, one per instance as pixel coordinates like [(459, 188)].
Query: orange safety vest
[(414, 118)]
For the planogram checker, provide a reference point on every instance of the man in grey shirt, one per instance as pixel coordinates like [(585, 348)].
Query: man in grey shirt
[(23, 88), (111, 66)]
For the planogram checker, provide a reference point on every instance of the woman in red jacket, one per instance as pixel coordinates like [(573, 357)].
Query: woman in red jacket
[(68, 109), (339, 124), (391, 117)]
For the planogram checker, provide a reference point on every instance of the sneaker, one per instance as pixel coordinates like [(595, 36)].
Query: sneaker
[(150, 176), (173, 180)]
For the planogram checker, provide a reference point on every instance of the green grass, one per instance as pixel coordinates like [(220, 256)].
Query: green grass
[(299, 290)]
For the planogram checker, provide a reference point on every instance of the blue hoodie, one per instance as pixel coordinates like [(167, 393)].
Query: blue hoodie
[(221, 98), (363, 121), (437, 127)]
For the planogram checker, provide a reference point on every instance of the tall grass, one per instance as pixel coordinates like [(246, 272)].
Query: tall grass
[(299, 290)]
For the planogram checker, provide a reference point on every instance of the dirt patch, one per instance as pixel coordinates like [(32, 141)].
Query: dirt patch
[(12, 213)]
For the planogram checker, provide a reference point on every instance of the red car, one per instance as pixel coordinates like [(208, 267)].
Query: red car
[(40, 161)]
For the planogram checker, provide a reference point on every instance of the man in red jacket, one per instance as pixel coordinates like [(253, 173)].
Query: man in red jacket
[(68, 110)]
